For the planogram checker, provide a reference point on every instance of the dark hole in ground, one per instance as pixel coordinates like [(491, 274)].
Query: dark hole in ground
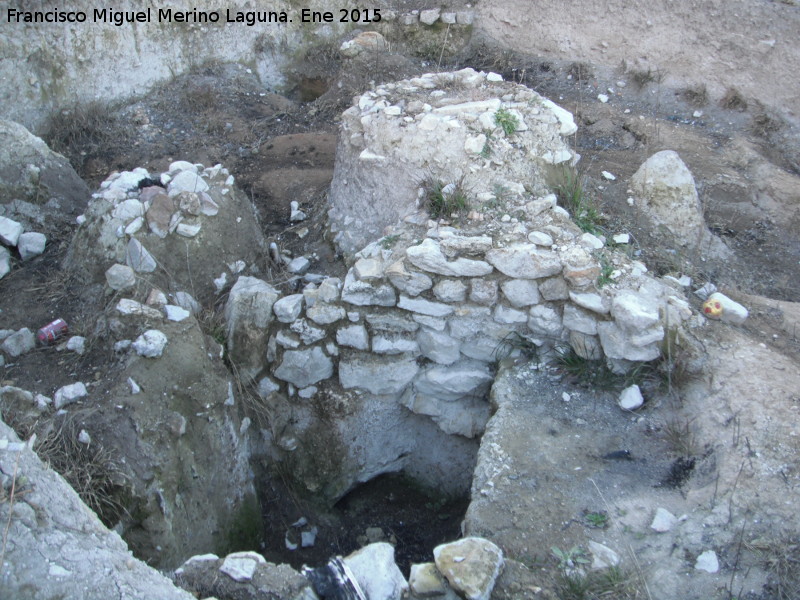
[(679, 472), (389, 508)]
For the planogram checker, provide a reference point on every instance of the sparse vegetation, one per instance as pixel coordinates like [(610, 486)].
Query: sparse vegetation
[(641, 77), (445, 200), (781, 559), (597, 519), (570, 559), (389, 241), (613, 583), (679, 434), (606, 270), (733, 100), (581, 71), (506, 121), (569, 187), (696, 96), (515, 342)]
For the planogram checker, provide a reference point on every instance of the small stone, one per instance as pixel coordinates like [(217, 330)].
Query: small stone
[(732, 311), (138, 258), (430, 16), (220, 282), (353, 336), (631, 398), (304, 367), (288, 308), (186, 181), (240, 566), (31, 244), (187, 301), (126, 306), (603, 98), (325, 314), (540, 238), (68, 394), (450, 290), (608, 176), (424, 307), (187, 230), (603, 557), (135, 389), (663, 521), (10, 231), (150, 344), (5, 261), (120, 277), (176, 313), (591, 241), (84, 437), (708, 562), (426, 581), (77, 344), (299, 265), (621, 238), (494, 77), (19, 342), (376, 572)]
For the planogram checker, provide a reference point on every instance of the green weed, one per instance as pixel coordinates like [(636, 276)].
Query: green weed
[(506, 121), (445, 200), (569, 187)]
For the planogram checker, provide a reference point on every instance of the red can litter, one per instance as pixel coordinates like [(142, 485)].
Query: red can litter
[(52, 331)]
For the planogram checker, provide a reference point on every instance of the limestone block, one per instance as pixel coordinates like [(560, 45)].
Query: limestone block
[(248, 314), (554, 288), (453, 245), (509, 316), (377, 375), (288, 308), (363, 293), (617, 344), (586, 346), (325, 314), (424, 307), (665, 190), (545, 320), (31, 244), (411, 283), (520, 292), (382, 344), (466, 417), (634, 311), (450, 290), (120, 277), (591, 301), (524, 261), (376, 572), (10, 231), (578, 319), (138, 258), (353, 336), (307, 332), (483, 291), (438, 346), (304, 367), (394, 322), (467, 377), (428, 256)]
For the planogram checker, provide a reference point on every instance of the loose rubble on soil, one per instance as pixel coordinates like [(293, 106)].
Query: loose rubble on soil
[(410, 341)]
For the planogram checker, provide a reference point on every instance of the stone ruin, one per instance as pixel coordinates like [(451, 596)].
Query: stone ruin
[(388, 369)]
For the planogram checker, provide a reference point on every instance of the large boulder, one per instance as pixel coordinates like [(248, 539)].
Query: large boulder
[(665, 190), (38, 187)]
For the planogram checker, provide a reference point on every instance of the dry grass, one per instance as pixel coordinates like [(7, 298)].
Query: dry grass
[(696, 95), (781, 559), (680, 435), (90, 469), (733, 100)]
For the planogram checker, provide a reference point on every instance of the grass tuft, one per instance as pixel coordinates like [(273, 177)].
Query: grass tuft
[(506, 121), (570, 189), (445, 200)]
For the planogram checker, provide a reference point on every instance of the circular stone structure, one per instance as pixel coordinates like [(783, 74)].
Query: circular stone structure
[(494, 139)]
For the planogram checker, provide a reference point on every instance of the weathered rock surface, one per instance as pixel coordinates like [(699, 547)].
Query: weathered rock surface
[(667, 193), (248, 314), (376, 572), (57, 546), (471, 566)]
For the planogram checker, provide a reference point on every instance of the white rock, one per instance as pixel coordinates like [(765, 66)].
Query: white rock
[(138, 258), (603, 98), (120, 277), (128, 210), (634, 311), (150, 344), (666, 190), (353, 336), (411, 283), (288, 308), (135, 388), (732, 311), (393, 345), (591, 301), (430, 16), (307, 332), (375, 571), (220, 282), (631, 398), (663, 521), (5, 261), (609, 176), (377, 375), (454, 381), (329, 290), (186, 181), (31, 244), (617, 343), (438, 346), (578, 319), (368, 269), (621, 238), (540, 238), (181, 165), (304, 367), (708, 562), (77, 344), (428, 256), (450, 290), (68, 394), (325, 314), (10, 231), (18, 343), (240, 566), (424, 307), (544, 320), (364, 293), (521, 292), (591, 241), (298, 265), (509, 316), (425, 581), (187, 301), (176, 313), (188, 230), (267, 387), (483, 291), (603, 557), (84, 437), (126, 306), (524, 261)]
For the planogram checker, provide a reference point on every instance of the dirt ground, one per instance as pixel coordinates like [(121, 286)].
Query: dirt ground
[(282, 149)]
